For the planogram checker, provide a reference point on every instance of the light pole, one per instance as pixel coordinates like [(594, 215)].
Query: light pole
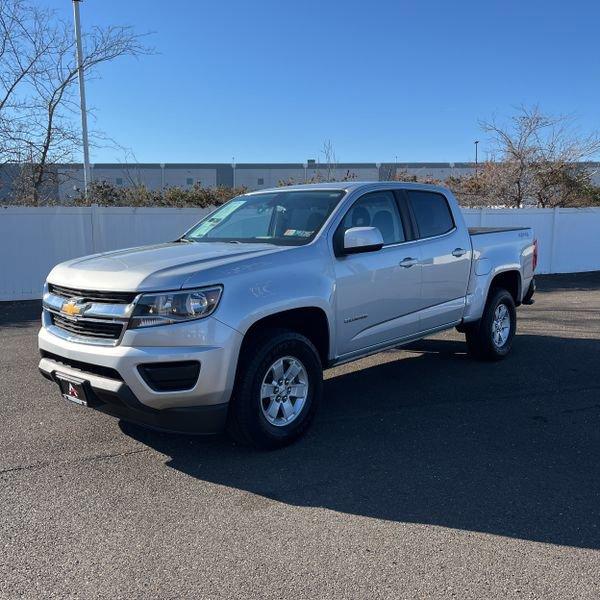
[(84, 130), (476, 143), (233, 167), (305, 165)]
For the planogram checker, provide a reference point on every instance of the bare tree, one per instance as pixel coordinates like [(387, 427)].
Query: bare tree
[(540, 160), (22, 47), (561, 176), (330, 159), (38, 83)]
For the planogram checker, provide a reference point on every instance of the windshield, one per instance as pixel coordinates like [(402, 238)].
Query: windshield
[(282, 218)]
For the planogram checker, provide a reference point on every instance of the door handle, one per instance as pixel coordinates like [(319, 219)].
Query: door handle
[(408, 262), (458, 252)]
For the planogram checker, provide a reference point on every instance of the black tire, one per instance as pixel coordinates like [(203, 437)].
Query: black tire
[(247, 424), (480, 342)]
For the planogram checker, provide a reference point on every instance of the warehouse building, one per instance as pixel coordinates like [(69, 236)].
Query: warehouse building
[(68, 178), (252, 176)]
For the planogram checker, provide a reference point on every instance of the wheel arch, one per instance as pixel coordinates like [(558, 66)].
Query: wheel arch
[(481, 284), (511, 281), (309, 321)]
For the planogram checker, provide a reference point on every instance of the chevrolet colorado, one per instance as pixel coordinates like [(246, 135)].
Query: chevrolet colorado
[(231, 325)]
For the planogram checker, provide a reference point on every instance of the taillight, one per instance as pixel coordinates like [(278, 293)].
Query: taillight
[(535, 254)]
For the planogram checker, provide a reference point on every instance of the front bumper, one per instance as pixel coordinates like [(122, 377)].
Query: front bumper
[(124, 392), (115, 398)]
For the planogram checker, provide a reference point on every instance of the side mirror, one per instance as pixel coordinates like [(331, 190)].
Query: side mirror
[(362, 239)]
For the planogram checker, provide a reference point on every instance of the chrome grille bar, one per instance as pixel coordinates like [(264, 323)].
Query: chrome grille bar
[(87, 318), (93, 296)]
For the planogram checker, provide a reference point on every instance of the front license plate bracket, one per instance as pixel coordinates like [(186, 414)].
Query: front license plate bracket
[(72, 389)]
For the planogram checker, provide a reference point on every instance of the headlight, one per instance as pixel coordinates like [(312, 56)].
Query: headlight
[(174, 307)]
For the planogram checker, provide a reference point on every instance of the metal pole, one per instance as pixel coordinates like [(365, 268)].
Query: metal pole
[(476, 142), (84, 129)]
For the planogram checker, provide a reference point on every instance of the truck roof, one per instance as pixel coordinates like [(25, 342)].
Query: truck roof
[(348, 186)]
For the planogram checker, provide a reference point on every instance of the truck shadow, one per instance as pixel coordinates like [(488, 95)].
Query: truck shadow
[(569, 282), (432, 437), (21, 314)]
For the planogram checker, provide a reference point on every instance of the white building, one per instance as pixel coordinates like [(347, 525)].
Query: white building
[(253, 176)]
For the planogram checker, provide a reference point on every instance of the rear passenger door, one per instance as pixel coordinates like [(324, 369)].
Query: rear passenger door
[(445, 258)]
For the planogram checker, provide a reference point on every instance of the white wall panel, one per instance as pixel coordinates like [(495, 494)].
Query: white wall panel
[(33, 240), (576, 242), (124, 227), (541, 219)]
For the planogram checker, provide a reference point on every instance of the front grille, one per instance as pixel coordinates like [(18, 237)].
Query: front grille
[(95, 329), (93, 296), (83, 366)]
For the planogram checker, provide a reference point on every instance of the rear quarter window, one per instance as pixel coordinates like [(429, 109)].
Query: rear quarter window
[(432, 213)]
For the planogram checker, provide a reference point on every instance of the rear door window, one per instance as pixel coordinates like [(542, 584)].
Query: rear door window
[(431, 211)]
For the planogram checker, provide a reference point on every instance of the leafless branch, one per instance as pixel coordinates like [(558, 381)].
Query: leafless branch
[(38, 92)]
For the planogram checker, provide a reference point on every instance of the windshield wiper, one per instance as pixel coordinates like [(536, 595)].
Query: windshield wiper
[(185, 241)]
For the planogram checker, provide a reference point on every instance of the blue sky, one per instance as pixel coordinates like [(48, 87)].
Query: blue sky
[(271, 80)]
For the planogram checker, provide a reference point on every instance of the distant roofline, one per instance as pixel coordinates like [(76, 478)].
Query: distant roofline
[(310, 166)]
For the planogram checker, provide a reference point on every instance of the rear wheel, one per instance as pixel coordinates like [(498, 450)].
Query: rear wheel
[(491, 337), (277, 391)]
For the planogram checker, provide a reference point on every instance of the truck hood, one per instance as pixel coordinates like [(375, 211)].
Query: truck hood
[(152, 268)]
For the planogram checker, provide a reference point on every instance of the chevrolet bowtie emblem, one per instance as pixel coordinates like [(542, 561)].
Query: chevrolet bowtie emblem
[(72, 307)]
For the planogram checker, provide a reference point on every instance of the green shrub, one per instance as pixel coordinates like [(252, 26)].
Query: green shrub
[(106, 194)]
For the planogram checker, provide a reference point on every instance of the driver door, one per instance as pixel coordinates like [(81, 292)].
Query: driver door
[(377, 293)]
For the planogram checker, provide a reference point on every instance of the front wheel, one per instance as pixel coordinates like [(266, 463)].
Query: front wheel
[(491, 337), (278, 389)]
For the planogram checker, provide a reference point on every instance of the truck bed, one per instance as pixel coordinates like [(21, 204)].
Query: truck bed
[(494, 246), (482, 230)]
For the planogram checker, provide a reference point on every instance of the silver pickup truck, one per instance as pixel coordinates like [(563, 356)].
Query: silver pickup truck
[(231, 325)]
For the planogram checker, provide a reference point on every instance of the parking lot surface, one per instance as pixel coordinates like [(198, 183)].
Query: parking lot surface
[(425, 475)]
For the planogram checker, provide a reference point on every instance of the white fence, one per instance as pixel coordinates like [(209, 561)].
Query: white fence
[(568, 238), (33, 240)]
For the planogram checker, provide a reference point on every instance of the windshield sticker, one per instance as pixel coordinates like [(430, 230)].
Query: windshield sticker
[(228, 209), (210, 223), (298, 232)]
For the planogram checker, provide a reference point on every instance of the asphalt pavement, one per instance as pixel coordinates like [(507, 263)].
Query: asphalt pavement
[(426, 475)]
